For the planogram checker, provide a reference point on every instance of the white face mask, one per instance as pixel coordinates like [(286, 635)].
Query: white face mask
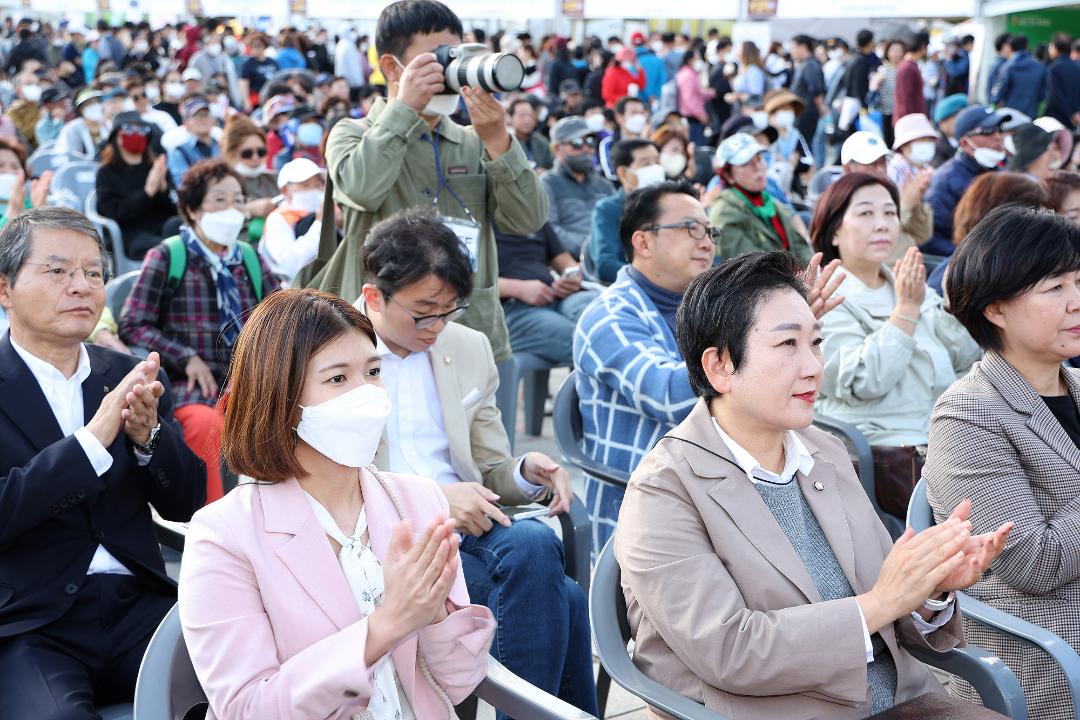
[(31, 93), (174, 90), (129, 105), (140, 47), (307, 200), (988, 157), (836, 54), (347, 428), (595, 122), (674, 164), (784, 119), (699, 65), (94, 113), (223, 226), (922, 152), (213, 50), (657, 46), (635, 124), (245, 170), (649, 175), (760, 119), (7, 185)]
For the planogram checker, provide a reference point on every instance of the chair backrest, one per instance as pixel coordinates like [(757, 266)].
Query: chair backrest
[(569, 434), (41, 162), (117, 291), (823, 178), (611, 633), (167, 688), (919, 514), (74, 182)]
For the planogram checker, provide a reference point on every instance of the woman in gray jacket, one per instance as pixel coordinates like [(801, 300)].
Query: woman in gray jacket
[(890, 349), (1007, 435)]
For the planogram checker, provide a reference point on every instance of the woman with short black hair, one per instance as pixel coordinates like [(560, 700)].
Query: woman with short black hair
[(1008, 434), (744, 492)]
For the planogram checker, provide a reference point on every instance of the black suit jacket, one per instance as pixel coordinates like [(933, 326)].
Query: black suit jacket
[(55, 510)]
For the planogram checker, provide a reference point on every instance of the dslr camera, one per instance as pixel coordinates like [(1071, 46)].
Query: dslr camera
[(470, 64)]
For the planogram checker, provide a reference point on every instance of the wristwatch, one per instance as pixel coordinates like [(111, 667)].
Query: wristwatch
[(151, 443), (939, 605)]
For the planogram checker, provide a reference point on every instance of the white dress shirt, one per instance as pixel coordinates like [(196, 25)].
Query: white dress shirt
[(415, 433), (797, 459), (65, 399)]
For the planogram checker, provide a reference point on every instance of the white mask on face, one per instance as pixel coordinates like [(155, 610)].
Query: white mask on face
[(649, 175), (307, 200), (213, 50), (699, 65), (922, 152), (222, 227), (7, 185), (674, 164), (153, 94), (129, 105), (245, 170), (347, 428), (784, 119), (760, 119), (988, 157), (94, 113), (595, 122), (174, 90), (31, 93), (635, 124)]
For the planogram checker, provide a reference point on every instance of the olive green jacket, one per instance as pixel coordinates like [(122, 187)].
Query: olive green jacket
[(385, 163), (745, 232)]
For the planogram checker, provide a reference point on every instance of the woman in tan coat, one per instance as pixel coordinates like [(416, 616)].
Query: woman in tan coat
[(757, 576)]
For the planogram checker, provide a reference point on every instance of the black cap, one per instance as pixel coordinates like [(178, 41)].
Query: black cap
[(52, 94), (1031, 141)]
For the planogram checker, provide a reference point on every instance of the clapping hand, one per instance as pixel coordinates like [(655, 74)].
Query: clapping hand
[(123, 405), (823, 285), (979, 552)]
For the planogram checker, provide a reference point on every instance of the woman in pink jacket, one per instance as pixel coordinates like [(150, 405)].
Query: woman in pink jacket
[(692, 81), (320, 588)]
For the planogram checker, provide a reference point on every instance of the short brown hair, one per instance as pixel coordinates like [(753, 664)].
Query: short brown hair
[(196, 183), (1058, 186), (988, 192), (238, 128), (834, 203), (269, 365), (18, 149)]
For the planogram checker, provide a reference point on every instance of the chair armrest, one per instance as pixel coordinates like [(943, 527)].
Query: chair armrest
[(170, 534), (507, 692), (1061, 652), (996, 684), (577, 543)]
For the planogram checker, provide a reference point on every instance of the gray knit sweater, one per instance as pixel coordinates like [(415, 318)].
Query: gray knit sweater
[(788, 505)]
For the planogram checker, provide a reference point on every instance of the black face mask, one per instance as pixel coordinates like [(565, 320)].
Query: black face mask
[(579, 163)]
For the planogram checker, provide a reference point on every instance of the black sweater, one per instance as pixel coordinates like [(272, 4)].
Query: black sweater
[(121, 196)]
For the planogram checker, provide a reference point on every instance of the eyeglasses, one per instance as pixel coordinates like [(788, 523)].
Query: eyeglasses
[(696, 229), (218, 202), (250, 153), (61, 272), (133, 129), (136, 97), (426, 321), (578, 143)]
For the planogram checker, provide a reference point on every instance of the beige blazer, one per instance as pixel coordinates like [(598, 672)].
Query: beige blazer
[(722, 608), (466, 379)]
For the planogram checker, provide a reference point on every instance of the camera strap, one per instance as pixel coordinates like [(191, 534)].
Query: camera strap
[(466, 229)]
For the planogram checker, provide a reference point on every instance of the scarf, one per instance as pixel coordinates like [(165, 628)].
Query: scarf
[(228, 294), (763, 205)]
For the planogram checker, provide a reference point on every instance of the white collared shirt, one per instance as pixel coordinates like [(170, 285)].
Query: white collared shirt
[(416, 436), (65, 398), (797, 459)]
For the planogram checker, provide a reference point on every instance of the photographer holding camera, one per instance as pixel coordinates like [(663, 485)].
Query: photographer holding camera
[(408, 152)]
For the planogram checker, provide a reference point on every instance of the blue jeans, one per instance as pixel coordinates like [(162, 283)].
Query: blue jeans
[(542, 620), (546, 330)]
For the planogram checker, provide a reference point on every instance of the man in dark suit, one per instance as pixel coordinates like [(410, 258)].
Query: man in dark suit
[(87, 443), (1063, 83)]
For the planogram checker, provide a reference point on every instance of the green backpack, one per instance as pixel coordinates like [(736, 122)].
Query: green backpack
[(177, 251)]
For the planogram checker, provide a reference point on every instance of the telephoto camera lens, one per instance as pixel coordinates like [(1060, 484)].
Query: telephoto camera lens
[(494, 72)]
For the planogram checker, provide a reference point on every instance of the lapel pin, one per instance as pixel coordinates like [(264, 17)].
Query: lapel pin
[(818, 485), (446, 359)]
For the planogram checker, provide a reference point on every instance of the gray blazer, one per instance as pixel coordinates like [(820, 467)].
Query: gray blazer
[(722, 608), (994, 440)]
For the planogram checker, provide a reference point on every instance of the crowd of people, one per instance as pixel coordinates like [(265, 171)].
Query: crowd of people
[(338, 258)]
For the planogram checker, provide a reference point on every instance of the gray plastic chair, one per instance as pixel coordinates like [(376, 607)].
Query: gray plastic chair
[(109, 230), (569, 434), (859, 450), (167, 687), (921, 516), (117, 291), (50, 159), (73, 183), (821, 181), (996, 684), (534, 371)]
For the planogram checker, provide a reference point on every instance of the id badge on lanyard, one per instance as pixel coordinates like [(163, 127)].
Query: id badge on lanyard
[(466, 228)]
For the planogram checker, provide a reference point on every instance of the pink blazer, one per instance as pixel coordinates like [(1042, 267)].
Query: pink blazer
[(272, 627)]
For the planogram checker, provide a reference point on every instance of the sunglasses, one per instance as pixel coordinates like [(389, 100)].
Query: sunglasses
[(578, 143), (137, 98), (249, 153), (132, 129)]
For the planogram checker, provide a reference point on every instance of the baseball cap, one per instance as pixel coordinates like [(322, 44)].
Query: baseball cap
[(297, 171), (1012, 119), (193, 105), (191, 74), (87, 94), (949, 106), (638, 38), (745, 124), (864, 148), (977, 118), (738, 149), (570, 128), (52, 94), (276, 106)]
